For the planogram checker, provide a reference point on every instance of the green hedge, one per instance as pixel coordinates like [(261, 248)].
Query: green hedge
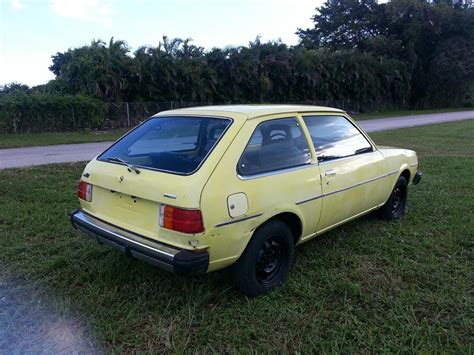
[(21, 112)]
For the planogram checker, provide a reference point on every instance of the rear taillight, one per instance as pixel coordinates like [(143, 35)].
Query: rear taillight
[(180, 220), (84, 191)]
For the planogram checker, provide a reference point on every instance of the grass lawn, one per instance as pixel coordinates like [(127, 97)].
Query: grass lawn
[(368, 286), (53, 138)]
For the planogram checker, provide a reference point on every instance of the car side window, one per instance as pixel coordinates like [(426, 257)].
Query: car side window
[(335, 137), (274, 145)]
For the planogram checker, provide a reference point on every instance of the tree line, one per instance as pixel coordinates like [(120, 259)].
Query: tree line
[(408, 53), (435, 40), (261, 72)]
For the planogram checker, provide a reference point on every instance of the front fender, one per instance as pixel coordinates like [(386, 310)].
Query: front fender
[(399, 161)]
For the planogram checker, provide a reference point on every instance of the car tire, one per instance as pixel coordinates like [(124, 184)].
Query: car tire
[(397, 202), (266, 261)]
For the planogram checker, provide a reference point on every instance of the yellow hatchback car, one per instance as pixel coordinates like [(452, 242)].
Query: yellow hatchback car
[(200, 189)]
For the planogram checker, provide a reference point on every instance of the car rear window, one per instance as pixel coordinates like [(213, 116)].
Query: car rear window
[(175, 144)]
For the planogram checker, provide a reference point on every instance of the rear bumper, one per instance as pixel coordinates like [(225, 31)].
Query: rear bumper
[(417, 178), (180, 261)]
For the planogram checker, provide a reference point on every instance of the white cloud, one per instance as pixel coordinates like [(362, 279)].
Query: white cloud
[(98, 11), (17, 4)]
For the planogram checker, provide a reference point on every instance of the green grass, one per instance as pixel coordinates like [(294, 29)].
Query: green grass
[(385, 114), (368, 286), (53, 138)]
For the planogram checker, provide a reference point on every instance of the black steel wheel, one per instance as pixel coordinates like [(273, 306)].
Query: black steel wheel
[(270, 259), (266, 261), (397, 202)]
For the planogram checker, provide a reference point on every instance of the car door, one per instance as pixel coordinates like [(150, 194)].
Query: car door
[(352, 169)]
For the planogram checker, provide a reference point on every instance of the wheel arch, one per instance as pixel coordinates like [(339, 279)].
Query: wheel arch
[(406, 174), (292, 220)]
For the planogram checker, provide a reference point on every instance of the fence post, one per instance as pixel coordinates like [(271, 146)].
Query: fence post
[(14, 123), (128, 114)]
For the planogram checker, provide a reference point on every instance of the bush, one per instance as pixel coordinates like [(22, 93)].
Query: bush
[(22, 112)]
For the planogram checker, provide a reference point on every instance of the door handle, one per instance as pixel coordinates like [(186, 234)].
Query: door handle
[(330, 172)]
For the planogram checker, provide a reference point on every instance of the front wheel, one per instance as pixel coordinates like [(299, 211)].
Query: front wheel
[(397, 202), (266, 261)]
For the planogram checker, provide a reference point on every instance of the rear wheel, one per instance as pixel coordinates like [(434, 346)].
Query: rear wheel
[(266, 260), (397, 202)]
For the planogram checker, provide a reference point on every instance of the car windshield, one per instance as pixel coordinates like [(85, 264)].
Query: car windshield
[(175, 144)]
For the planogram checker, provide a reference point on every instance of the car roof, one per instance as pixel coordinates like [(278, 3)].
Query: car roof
[(249, 111)]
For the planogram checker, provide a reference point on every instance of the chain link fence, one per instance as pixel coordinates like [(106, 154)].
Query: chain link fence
[(129, 114)]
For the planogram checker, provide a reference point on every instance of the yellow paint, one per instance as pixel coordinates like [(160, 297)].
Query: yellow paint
[(131, 201)]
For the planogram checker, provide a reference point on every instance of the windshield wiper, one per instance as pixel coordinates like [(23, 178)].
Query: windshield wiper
[(328, 157), (363, 150), (130, 167)]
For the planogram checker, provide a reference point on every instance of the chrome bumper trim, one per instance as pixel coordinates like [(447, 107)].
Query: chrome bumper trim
[(180, 261)]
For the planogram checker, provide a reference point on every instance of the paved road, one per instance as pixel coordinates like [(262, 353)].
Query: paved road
[(386, 124), (69, 153)]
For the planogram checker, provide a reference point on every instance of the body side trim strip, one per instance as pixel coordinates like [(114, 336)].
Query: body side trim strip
[(309, 199), (347, 188), (238, 220)]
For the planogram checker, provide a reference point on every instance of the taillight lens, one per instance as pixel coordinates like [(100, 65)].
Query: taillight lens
[(84, 191), (180, 220)]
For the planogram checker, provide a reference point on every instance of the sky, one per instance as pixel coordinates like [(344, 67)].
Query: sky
[(31, 31)]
